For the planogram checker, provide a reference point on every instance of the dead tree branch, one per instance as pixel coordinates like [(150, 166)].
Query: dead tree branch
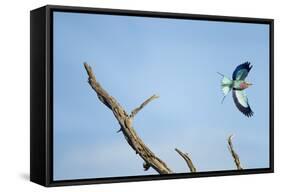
[(187, 159), (233, 153), (136, 110), (126, 123)]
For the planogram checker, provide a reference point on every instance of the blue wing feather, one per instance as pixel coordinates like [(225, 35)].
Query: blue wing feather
[(241, 71)]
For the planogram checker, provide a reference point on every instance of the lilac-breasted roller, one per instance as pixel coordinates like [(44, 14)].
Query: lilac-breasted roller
[(237, 85)]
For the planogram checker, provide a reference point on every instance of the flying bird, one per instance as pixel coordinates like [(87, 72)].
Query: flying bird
[(237, 85)]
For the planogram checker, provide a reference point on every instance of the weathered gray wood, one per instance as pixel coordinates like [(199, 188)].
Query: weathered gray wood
[(187, 159), (126, 123), (233, 153), (126, 127)]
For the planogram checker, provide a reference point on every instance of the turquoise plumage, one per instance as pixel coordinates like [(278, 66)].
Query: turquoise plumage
[(237, 85)]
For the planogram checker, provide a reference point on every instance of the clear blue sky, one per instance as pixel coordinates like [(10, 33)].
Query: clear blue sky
[(135, 57)]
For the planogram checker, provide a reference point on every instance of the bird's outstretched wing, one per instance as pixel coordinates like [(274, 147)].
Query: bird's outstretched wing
[(241, 102), (241, 71)]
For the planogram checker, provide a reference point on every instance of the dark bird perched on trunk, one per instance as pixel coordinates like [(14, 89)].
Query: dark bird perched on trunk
[(237, 85)]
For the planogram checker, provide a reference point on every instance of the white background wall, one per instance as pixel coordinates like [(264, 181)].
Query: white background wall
[(14, 94)]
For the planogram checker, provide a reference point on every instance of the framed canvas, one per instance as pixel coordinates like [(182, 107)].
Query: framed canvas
[(125, 95)]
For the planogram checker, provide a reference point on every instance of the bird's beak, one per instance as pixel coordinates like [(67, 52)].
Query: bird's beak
[(250, 84)]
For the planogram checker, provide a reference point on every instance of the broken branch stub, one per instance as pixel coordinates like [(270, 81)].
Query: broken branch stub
[(233, 153), (187, 159)]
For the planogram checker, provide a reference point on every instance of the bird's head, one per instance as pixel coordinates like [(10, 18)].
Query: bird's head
[(248, 84)]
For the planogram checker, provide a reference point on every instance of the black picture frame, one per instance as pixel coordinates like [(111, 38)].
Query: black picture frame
[(41, 94)]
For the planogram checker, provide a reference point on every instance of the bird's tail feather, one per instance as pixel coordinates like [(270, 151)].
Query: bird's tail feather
[(223, 99), (226, 85)]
